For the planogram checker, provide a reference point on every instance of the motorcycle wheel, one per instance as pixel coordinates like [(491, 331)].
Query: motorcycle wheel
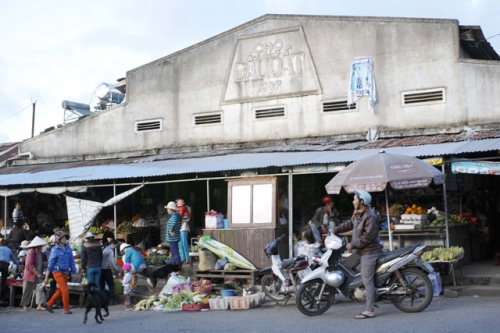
[(307, 298), (421, 291), (271, 287)]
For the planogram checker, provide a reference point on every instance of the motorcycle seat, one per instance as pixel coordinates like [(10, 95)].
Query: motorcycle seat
[(388, 256), (287, 263)]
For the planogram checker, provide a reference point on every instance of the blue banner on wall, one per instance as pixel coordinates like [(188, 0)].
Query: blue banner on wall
[(483, 168)]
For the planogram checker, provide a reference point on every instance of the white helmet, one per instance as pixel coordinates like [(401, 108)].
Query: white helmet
[(22, 253)]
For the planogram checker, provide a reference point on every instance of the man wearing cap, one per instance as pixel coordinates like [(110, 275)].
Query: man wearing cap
[(17, 234), (325, 215), (91, 260), (61, 262), (365, 242), (33, 275)]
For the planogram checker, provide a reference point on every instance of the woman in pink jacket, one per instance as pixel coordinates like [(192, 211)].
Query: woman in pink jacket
[(33, 275)]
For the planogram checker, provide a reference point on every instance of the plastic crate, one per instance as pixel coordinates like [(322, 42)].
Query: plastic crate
[(195, 307), (219, 303), (256, 299), (240, 303)]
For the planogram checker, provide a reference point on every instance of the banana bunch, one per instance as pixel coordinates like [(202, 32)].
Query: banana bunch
[(126, 228), (95, 230), (428, 256), (443, 254), (458, 251)]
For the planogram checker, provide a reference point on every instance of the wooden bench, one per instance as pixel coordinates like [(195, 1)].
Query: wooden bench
[(248, 274)]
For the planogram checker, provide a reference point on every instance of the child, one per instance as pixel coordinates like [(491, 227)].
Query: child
[(183, 211), (20, 268), (127, 279)]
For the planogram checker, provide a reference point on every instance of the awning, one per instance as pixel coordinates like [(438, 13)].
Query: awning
[(46, 190), (47, 174)]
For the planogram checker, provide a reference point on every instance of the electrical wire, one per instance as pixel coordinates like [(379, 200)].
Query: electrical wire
[(12, 115)]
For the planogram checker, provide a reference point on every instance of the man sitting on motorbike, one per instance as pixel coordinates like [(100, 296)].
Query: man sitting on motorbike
[(365, 243), (323, 216)]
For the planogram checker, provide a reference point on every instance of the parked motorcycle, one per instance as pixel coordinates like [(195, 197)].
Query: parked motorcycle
[(400, 278), (281, 280)]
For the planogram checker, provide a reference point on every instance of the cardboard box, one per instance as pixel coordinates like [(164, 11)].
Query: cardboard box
[(214, 221)]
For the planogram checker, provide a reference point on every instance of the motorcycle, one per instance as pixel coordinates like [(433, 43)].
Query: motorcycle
[(400, 278), (281, 280)]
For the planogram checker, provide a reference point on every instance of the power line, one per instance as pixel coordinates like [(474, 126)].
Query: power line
[(12, 115)]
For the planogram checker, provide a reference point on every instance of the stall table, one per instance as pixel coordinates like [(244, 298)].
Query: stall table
[(150, 236), (222, 274), (14, 286), (452, 264), (402, 235)]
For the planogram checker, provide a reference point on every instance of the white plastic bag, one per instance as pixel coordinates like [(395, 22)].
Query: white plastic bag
[(436, 283), (172, 281)]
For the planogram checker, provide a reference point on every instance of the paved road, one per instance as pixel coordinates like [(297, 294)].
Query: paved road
[(463, 314)]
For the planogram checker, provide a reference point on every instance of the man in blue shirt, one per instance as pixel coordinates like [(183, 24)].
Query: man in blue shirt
[(6, 256)]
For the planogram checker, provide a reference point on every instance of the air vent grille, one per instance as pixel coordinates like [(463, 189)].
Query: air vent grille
[(270, 113), (148, 126), (337, 106), (208, 119), (428, 96)]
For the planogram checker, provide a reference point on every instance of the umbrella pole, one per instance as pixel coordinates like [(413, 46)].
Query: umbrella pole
[(446, 209), (388, 219)]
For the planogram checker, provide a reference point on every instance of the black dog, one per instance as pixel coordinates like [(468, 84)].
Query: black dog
[(153, 274), (98, 299)]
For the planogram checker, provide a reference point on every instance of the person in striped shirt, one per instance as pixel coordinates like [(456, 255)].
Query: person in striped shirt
[(173, 235)]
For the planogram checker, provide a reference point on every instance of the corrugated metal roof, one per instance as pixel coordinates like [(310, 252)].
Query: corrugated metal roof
[(145, 167), (8, 151)]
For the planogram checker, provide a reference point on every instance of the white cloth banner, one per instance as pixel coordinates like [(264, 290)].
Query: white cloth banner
[(81, 213), (46, 190), (362, 82)]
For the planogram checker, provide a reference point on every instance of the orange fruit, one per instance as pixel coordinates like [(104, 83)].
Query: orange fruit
[(414, 206)]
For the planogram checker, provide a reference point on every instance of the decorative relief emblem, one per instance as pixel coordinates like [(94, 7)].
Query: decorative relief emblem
[(269, 66)]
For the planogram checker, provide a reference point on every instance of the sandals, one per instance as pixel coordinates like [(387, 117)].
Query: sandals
[(363, 316)]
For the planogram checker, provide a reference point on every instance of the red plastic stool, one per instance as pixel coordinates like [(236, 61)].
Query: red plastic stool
[(497, 258)]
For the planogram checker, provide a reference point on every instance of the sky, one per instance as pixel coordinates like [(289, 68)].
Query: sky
[(56, 50)]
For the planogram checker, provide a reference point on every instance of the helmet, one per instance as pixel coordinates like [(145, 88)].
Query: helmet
[(363, 195), (59, 235), (22, 253), (52, 239), (123, 246), (126, 266), (327, 199)]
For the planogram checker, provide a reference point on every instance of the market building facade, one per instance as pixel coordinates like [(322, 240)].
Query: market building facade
[(247, 113)]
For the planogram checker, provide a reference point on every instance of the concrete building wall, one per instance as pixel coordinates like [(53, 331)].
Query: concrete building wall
[(304, 62)]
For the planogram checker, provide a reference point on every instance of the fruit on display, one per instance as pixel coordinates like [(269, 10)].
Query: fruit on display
[(156, 259), (126, 228), (396, 210), (442, 254), (415, 209), (95, 230)]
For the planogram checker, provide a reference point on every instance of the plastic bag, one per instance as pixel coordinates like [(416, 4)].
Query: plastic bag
[(172, 281), (182, 286), (221, 263), (85, 282)]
